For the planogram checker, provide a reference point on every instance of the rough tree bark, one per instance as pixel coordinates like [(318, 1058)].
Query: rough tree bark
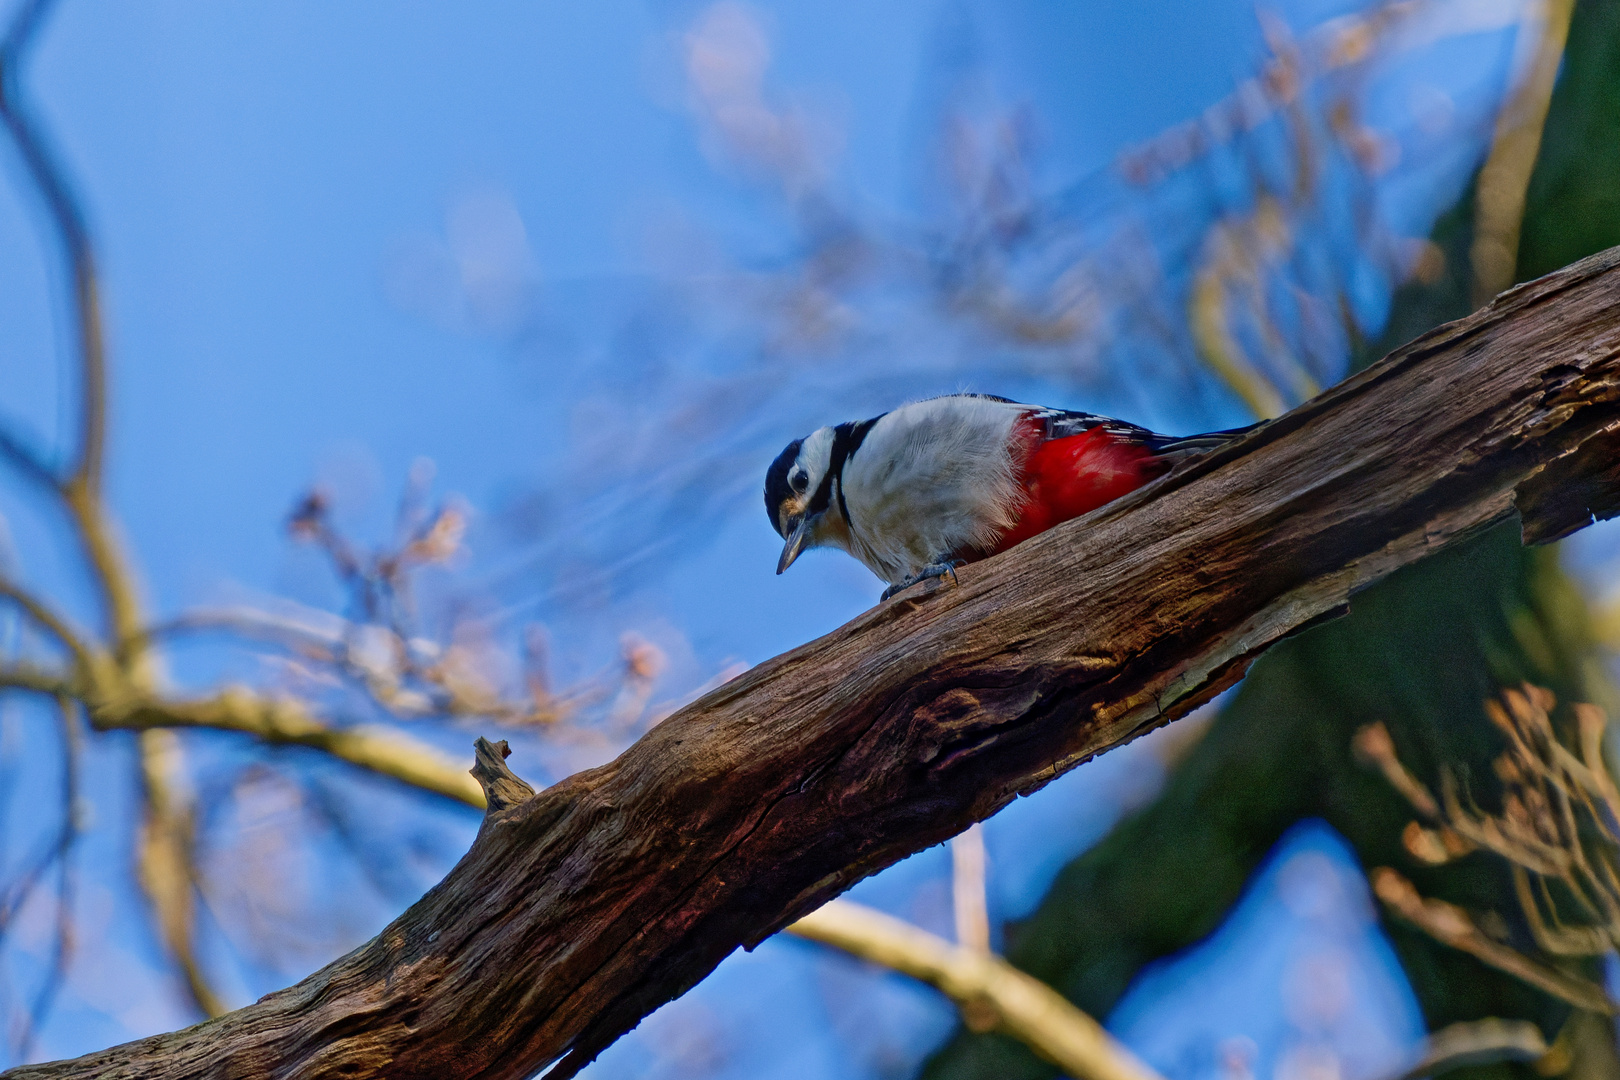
[(580, 909)]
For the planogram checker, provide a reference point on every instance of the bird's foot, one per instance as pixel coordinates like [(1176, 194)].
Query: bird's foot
[(935, 569)]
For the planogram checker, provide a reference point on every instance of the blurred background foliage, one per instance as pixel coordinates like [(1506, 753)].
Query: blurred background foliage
[(207, 790)]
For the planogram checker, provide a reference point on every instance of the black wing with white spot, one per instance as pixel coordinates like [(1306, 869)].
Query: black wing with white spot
[(1062, 423)]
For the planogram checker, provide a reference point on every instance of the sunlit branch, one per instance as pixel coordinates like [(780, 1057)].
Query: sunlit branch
[(968, 889), (166, 863), (21, 675), (991, 993), (284, 721), (1479, 1042), (1505, 176), (1557, 825), (1453, 926)]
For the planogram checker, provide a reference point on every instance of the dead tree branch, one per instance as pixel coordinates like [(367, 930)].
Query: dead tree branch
[(582, 908)]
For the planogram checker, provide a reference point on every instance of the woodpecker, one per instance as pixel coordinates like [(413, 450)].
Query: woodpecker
[(919, 491)]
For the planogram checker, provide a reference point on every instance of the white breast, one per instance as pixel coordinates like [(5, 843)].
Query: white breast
[(931, 478)]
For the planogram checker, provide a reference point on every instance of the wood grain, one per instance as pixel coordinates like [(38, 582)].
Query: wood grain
[(580, 909)]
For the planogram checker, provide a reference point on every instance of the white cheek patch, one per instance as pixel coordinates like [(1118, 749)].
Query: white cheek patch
[(815, 454)]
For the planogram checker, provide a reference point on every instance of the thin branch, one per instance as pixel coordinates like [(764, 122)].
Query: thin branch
[(284, 721), (67, 222), (21, 675), (1505, 177), (968, 901), (167, 868), (1477, 1042), (982, 985), (1453, 926), (82, 490), (50, 621)]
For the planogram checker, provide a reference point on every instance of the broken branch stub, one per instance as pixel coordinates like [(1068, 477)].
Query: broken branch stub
[(503, 789), (600, 898)]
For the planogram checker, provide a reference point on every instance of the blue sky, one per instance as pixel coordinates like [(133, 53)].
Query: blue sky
[(289, 200)]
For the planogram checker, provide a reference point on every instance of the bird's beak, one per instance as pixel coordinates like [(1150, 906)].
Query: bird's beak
[(795, 543)]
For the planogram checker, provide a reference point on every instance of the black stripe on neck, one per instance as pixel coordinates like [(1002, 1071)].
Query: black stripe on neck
[(847, 439)]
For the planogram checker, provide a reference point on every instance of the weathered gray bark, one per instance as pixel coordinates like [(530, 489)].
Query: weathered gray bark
[(582, 908)]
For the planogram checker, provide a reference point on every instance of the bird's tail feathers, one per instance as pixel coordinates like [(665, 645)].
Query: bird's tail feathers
[(1187, 445)]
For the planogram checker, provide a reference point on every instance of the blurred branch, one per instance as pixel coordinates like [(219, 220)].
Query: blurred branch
[(991, 993), (22, 675), (277, 721), (67, 221), (1559, 826), (1479, 1042), (81, 491), (1453, 926), (165, 860), (47, 619), (1505, 176), (1237, 251), (968, 902), (285, 721)]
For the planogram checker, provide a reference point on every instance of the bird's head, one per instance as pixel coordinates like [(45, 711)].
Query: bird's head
[(798, 493)]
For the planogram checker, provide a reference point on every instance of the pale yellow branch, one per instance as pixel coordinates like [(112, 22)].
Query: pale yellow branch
[(1505, 176), (968, 889), (1480, 1042), (1022, 1006), (112, 573), (373, 747), (1451, 925), (34, 679), (376, 748), (167, 870)]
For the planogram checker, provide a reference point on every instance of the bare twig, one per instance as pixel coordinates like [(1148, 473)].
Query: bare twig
[(166, 863), (285, 721), (1557, 826), (48, 620), (30, 677), (1505, 177), (1477, 1042), (968, 901), (1453, 926), (990, 991)]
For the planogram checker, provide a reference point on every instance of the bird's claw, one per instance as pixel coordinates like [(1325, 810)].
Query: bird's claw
[(939, 568)]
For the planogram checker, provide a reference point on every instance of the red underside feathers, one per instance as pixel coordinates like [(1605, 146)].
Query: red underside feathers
[(1067, 477)]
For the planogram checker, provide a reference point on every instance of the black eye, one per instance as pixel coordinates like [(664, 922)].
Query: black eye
[(798, 480)]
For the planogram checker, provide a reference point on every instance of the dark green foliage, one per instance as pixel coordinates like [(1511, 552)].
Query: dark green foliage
[(1574, 196)]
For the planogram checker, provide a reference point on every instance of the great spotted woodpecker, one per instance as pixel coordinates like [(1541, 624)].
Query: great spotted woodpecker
[(916, 492)]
